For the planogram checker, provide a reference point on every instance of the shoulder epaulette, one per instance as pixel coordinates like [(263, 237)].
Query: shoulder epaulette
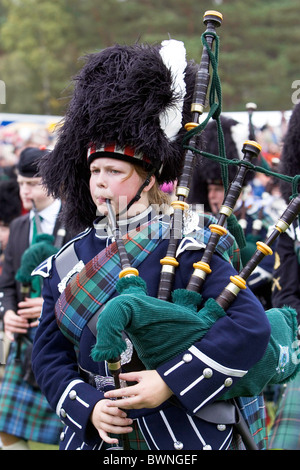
[(44, 269), (73, 240)]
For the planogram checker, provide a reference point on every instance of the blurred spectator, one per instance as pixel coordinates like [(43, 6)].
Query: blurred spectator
[(10, 208), (21, 312), (286, 291)]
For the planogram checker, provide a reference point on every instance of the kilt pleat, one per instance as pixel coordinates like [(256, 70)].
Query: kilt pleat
[(24, 411), (285, 433)]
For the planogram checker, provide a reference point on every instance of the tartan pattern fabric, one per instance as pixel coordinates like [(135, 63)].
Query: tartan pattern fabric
[(225, 242), (285, 434), (24, 411), (135, 437), (93, 286), (236, 442), (254, 412), (227, 246)]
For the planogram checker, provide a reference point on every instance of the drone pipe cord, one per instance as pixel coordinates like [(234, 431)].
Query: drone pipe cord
[(238, 282), (212, 20), (250, 149)]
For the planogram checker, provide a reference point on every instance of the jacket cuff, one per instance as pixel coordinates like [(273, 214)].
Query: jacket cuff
[(196, 379), (75, 406)]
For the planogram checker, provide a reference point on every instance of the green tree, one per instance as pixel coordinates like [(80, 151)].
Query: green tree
[(41, 42), (34, 37), (259, 49)]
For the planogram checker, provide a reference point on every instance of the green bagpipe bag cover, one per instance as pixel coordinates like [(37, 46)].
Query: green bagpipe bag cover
[(160, 330), (280, 363)]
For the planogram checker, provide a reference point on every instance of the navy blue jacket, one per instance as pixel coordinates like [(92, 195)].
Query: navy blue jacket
[(197, 377), (286, 275)]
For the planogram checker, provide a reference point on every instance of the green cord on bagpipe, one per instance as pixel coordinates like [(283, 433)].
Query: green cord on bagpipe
[(212, 20), (181, 314), (215, 104), (251, 150), (215, 107)]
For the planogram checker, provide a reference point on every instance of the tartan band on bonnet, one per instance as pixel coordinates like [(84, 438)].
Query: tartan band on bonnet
[(112, 150)]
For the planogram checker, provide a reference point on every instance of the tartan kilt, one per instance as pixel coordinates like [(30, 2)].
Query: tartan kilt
[(254, 412), (284, 434), (24, 411), (135, 438)]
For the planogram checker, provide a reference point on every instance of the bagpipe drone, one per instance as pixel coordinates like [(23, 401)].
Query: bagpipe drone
[(277, 365), (177, 310)]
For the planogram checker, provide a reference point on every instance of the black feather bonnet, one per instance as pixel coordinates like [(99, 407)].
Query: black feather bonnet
[(10, 202), (123, 95), (290, 156), (209, 171)]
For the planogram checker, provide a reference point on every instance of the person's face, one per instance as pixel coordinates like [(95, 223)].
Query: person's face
[(4, 234), (31, 189), (215, 197), (118, 181)]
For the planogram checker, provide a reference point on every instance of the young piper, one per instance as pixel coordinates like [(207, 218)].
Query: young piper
[(118, 143)]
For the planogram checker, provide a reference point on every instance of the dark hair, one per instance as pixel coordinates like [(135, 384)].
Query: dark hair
[(10, 202)]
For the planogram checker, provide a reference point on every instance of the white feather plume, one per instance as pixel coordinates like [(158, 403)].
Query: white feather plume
[(173, 54)]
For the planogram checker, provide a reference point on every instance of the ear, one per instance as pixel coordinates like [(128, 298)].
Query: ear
[(152, 181)]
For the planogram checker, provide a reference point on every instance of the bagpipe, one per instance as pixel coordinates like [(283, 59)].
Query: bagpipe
[(212, 19), (43, 245), (181, 315), (174, 319)]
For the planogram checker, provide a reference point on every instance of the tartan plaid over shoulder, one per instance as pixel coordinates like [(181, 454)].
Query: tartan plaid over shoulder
[(227, 246), (92, 287)]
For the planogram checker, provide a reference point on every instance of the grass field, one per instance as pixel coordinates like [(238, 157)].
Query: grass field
[(40, 446)]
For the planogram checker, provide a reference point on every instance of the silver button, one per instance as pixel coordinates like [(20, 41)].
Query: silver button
[(63, 413), (207, 373), (62, 436), (187, 357), (72, 395), (221, 427), (178, 445), (228, 382), (207, 447)]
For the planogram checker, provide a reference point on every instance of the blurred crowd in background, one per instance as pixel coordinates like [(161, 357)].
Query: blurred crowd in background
[(19, 134)]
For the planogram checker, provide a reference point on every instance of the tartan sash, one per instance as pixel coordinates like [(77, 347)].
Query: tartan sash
[(92, 287)]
